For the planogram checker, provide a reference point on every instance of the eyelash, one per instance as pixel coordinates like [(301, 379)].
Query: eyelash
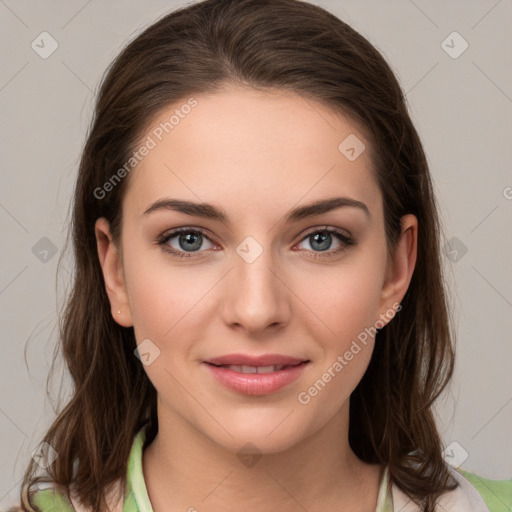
[(344, 239)]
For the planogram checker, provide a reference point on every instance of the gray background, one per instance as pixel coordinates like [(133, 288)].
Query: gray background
[(461, 106)]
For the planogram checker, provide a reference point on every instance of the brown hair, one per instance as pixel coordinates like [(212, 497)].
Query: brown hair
[(280, 44)]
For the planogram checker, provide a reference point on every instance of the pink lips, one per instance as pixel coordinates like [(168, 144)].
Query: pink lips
[(256, 383)]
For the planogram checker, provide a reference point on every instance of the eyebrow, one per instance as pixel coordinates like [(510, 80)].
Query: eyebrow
[(209, 211)]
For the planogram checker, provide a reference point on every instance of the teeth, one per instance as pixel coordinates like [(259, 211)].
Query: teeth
[(254, 369), (268, 369)]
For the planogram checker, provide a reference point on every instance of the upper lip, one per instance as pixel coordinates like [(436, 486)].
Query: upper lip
[(263, 360)]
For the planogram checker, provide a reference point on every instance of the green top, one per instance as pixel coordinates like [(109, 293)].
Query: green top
[(497, 494)]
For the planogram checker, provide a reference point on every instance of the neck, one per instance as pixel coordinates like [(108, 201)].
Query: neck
[(184, 470)]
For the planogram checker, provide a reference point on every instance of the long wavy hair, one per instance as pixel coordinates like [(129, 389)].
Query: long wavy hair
[(281, 44)]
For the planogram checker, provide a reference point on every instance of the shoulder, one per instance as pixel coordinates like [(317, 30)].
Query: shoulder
[(52, 499), (497, 494), (473, 494)]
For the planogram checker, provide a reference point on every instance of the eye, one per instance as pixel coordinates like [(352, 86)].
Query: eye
[(321, 241), (187, 242), (184, 242)]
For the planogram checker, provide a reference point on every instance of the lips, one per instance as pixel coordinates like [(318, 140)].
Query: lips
[(263, 360), (255, 375)]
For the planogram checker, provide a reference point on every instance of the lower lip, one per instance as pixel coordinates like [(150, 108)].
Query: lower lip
[(256, 383)]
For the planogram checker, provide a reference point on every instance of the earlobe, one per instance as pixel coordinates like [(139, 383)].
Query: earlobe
[(112, 268), (401, 267)]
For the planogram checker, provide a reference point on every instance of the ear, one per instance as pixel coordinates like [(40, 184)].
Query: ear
[(400, 267), (113, 275)]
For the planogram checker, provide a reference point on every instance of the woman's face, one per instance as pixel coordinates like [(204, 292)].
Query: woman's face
[(272, 276)]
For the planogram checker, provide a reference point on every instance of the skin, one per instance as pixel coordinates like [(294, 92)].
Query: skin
[(256, 155)]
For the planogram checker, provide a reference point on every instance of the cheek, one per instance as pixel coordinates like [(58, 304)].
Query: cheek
[(347, 300), (163, 298), (348, 309), (343, 300)]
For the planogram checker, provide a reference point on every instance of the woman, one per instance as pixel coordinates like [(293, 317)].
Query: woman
[(258, 316)]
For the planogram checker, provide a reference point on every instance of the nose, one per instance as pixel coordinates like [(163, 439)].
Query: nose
[(256, 298)]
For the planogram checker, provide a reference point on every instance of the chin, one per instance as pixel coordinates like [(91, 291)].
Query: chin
[(255, 443), (263, 434)]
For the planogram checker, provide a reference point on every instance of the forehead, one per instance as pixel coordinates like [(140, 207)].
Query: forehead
[(244, 148)]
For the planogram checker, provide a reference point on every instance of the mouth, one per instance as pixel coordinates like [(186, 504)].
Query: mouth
[(256, 369), (256, 379), (249, 360)]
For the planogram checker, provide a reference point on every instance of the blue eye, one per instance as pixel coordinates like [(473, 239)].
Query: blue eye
[(320, 241), (187, 242)]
